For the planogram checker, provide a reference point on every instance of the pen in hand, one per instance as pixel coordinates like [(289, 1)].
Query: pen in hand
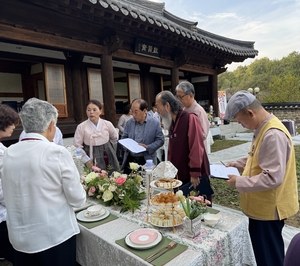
[(223, 163)]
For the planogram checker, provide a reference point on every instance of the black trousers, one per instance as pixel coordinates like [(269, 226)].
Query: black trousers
[(63, 254), (267, 242), (6, 249)]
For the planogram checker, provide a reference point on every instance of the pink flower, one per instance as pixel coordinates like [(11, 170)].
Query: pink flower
[(96, 169), (102, 174), (207, 202), (199, 198), (91, 191), (120, 180)]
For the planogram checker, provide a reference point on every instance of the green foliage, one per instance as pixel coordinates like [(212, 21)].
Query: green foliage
[(193, 206), (278, 80)]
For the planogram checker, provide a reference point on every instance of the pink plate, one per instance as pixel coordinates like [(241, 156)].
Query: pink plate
[(143, 236)]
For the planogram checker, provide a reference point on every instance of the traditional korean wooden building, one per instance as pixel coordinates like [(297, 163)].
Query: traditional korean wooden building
[(69, 51)]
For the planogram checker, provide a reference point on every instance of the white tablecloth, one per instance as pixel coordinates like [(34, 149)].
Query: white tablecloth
[(228, 243)]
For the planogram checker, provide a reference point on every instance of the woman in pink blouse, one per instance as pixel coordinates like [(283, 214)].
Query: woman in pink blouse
[(96, 136)]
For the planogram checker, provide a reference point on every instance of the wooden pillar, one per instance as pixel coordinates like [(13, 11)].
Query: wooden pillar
[(214, 94), (146, 89), (174, 78), (108, 88), (79, 96), (179, 58)]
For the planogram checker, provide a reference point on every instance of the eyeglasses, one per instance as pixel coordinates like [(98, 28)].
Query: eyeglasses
[(180, 97)]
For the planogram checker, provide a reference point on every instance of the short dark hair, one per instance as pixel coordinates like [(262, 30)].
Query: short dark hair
[(96, 102), (143, 104), (127, 109), (8, 117)]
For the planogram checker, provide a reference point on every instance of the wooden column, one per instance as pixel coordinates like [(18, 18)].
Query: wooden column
[(146, 84), (214, 93), (174, 78), (108, 88), (179, 58), (78, 99)]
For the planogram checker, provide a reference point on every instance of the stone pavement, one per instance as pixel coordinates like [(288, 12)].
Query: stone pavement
[(240, 151)]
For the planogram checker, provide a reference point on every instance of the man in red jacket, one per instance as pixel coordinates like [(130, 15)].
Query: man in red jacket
[(186, 147)]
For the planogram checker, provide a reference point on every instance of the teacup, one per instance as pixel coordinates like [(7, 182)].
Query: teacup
[(212, 219), (95, 210)]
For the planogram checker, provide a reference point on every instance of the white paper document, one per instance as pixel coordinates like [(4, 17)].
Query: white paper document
[(131, 145), (222, 172)]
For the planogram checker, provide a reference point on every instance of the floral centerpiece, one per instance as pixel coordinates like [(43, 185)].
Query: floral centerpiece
[(117, 189)]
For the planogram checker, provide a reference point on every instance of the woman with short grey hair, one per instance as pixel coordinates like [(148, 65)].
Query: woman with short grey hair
[(41, 191), (36, 115)]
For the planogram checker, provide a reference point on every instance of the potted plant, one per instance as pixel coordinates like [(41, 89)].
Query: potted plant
[(194, 208)]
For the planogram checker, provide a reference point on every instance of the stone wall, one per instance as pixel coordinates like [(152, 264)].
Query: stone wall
[(285, 111)]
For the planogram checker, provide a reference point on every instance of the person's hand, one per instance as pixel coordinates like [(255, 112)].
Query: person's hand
[(232, 164), (144, 145), (195, 180), (89, 164), (232, 180)]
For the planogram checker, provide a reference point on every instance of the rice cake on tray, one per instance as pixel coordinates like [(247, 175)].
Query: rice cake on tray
[(167, 217), (166, 183), (165, 199)]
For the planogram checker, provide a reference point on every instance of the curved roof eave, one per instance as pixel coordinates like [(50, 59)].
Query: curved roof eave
[(155, 13)]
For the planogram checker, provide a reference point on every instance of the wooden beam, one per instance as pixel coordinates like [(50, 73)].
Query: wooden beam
[(11, 94), (47, 40), (197, 69), (126, 55)]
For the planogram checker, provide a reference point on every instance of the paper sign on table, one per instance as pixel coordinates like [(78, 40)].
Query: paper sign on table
[(131, 145), (222, 172)]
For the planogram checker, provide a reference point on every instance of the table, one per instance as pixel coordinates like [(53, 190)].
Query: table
[(228, 243)]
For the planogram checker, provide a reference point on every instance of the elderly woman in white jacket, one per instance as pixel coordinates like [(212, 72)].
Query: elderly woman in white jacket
[(41, 184)]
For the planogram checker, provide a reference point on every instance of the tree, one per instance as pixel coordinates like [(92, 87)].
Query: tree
[(278, 80)]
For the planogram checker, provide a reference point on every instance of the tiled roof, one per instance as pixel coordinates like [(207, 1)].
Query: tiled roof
[(279, 106), (155, 13)]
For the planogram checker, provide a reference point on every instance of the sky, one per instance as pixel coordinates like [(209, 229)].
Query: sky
[(274, 25)]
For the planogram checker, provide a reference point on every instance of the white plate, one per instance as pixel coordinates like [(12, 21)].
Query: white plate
[(152, 184), (164, 226), (143, 236), (80, 216), (143, 246)]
